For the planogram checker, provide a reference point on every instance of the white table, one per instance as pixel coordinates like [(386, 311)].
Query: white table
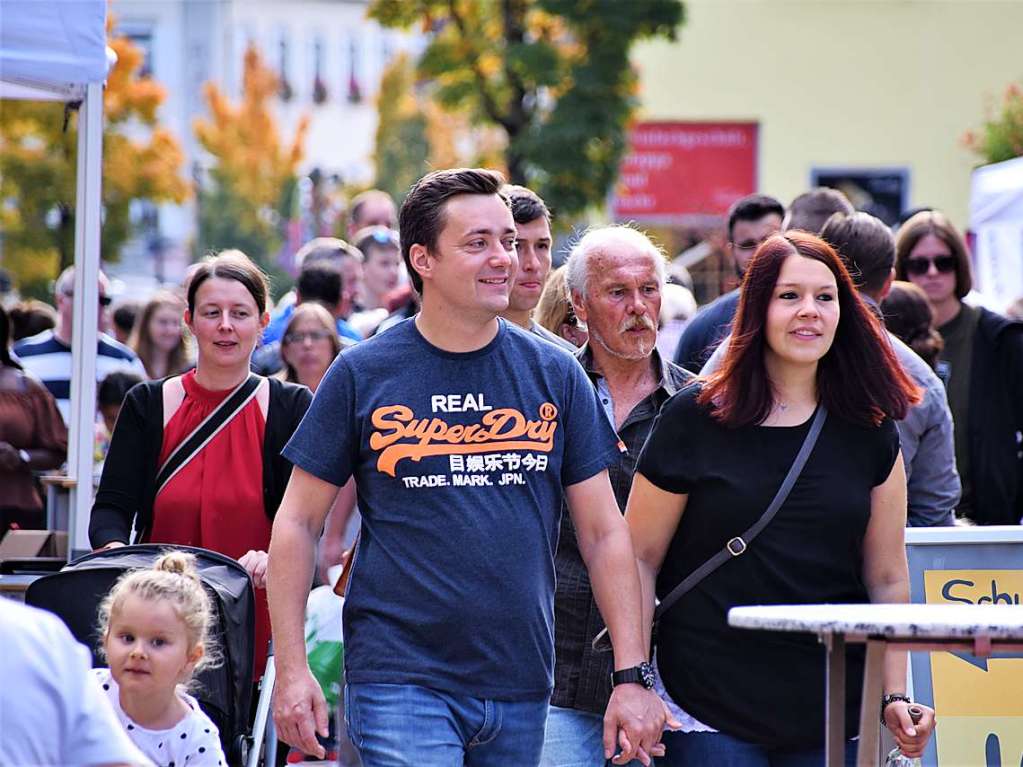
[(979, 629)]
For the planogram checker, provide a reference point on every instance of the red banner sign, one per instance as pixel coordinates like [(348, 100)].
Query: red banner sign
[(685, 170)]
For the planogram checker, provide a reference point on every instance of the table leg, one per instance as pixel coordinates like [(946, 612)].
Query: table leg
[(868, 753), (834, 711)]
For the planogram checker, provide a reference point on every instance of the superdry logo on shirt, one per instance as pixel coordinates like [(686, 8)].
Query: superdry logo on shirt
[(399, 434)]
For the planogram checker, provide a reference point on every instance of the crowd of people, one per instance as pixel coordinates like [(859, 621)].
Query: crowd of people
[(529, 458)]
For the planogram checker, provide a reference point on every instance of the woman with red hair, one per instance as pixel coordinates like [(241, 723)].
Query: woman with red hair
[(805, 348)]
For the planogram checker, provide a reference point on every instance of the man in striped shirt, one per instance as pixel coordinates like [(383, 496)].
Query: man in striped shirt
[(48, 355)]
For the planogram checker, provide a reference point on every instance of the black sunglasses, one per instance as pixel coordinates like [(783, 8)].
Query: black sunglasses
[(103, 300), (919, 266)]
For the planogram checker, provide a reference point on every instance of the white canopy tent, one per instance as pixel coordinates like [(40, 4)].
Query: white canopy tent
[(996, 218), (57, 51)]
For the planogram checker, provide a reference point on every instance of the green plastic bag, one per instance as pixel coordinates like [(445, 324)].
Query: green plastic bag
[(323, 641)]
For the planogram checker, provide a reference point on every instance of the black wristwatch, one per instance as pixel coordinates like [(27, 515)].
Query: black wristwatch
[(887, 700), (642, 674)]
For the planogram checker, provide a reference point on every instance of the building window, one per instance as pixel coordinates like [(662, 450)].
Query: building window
[(881, 192), (284, 89)]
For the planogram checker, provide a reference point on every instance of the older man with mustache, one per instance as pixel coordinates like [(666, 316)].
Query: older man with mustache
[(614, 275)]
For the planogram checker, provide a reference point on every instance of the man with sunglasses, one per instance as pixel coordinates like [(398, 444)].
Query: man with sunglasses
[(48, 355), (751, 220)]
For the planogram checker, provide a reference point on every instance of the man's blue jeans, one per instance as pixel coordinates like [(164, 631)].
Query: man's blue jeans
[(700, 749), (396, 725), (575, 739)]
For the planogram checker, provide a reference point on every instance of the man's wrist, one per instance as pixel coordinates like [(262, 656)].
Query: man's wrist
[(642, 674)]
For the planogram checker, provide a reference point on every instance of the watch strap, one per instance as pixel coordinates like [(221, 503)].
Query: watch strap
[(891, 698), (642, 674)]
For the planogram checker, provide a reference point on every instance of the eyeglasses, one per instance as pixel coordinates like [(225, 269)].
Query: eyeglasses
[(312, 335), (919, 266), (103, 300)]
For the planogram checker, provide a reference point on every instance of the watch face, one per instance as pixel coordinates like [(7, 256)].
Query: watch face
[(646, 670)]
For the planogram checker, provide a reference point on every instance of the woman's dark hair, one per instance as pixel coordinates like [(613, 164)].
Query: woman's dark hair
[(908, 314), (859, 379), (5, 341), (421, 218), (231, 265), (933, 222)]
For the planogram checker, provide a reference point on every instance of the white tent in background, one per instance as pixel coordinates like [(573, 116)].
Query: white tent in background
[(57, 51), (996, 218)]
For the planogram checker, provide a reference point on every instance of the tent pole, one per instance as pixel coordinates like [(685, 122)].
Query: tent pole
[(86, 307)]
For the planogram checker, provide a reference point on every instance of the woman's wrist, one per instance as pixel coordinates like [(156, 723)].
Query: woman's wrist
[(893, 697)]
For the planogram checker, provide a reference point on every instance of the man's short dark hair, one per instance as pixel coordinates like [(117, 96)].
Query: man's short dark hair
[(113, 389), (376, 238), (526, 205), (811, 210), (320, 281), (753, 207), (866, 246), (421, 217), (125, 315)]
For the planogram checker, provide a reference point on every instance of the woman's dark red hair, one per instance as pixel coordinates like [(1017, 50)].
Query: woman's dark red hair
[(859, 379)]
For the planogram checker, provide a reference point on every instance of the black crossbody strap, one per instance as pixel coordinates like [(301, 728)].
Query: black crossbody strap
[(738, 545), (207, 430)]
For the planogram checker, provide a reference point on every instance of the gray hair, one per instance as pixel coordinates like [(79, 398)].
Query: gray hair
[(65, 283), (603, 239)]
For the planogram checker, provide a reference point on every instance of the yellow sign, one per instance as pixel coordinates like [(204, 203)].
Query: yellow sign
[(979, 701)]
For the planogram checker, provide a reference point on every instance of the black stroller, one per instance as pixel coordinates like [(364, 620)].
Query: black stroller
[(225, 691)]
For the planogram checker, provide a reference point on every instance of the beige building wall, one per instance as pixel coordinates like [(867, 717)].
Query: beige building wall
[(892, 83)]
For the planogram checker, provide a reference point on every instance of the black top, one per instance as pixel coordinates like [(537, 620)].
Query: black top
[(128, 485), (996, 420), (582, 675), (762, 687), (706, 331)]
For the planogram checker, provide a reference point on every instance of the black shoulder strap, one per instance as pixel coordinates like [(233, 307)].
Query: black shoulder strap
[(738, 545), (207, 430)]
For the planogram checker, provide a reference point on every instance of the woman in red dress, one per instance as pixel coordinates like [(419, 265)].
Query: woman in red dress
[(225, 495)]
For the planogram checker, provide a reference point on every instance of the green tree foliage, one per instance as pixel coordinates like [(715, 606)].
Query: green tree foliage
[(38, 168), (554, 75), (1001, 137), (250, 187), (402, 145)]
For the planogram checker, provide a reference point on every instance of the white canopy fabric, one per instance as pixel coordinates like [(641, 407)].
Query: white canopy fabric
[(57, 51), (996, 218), (51, 50)]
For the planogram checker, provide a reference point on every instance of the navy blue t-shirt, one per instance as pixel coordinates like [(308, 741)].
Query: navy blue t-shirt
[(459, 460)]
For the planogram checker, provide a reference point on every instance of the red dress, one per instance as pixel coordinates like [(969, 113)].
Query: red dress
[(216, 500)]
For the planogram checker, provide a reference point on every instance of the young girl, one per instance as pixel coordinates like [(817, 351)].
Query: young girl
[(156, 628)]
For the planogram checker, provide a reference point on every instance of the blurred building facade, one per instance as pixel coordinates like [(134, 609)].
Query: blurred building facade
[(853, 87), (329, 58)]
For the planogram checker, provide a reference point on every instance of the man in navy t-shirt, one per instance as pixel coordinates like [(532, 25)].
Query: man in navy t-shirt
[(462, 432)]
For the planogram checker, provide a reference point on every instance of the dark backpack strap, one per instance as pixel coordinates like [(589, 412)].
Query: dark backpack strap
[(738, 545), (207, 430)]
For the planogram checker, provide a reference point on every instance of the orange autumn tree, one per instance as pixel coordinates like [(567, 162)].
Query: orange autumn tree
[(248, 188), (38, 165)]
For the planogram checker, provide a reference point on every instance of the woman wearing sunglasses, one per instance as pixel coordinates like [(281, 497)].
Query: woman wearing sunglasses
[(983, 363)]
